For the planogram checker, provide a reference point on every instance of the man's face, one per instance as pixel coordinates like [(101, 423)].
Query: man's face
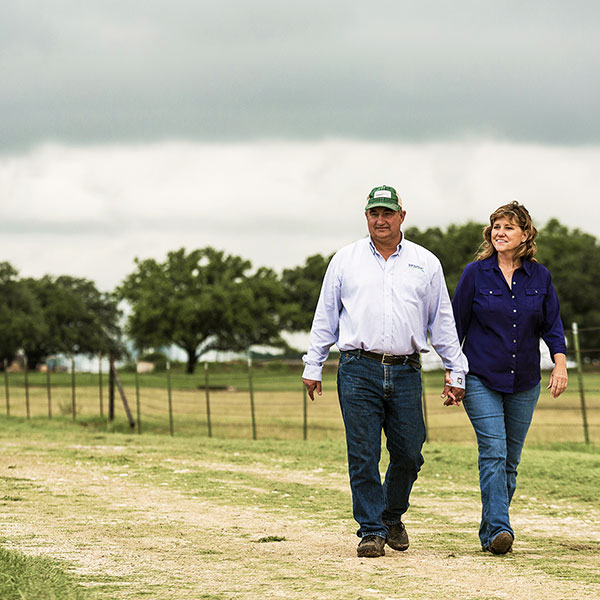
[(384, 224)]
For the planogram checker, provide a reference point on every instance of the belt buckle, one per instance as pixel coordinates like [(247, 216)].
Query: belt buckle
[(383, 358)]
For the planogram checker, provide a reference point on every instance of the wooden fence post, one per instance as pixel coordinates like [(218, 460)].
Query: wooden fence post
[(123, 397)]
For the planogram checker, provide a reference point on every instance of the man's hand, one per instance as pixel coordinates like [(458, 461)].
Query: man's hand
[(453, 395), (311, 386)]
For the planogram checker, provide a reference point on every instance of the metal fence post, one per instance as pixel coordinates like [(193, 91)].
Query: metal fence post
[(304, 413), (580, 382), (73, 394), (207, 392), (49, 391), (137, 400), (424, 402), (6, 388), (26, 374), (111, 388), (100, 384), (251, 388), (171, 430)]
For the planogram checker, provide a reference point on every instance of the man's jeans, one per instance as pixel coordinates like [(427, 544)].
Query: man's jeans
[(375, 397), (501, 422)]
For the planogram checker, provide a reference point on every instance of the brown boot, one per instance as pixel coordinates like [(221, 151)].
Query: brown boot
[(371, 546), (502, 543), (397, 537)]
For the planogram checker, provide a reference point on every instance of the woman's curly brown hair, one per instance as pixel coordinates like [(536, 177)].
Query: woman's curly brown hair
[(518, 214)]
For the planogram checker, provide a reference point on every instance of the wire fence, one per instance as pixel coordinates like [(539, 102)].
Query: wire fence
[(266, 400)]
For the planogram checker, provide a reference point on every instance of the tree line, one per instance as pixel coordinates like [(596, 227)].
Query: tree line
[(205, 299)]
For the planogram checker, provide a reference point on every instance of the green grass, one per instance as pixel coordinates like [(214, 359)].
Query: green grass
[(32, 578), (567, 471), (293, 479)]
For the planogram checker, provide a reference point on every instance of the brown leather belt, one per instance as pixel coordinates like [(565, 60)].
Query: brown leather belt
[(390, 359)]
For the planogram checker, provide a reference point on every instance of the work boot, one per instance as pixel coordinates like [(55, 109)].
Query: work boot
[(371, 546), (502, 543), (397, 536)]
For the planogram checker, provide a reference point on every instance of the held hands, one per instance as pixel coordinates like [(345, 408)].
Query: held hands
[(311, 386), (453, 395), (558, 378)]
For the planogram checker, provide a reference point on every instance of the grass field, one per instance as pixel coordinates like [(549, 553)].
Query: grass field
[(279, 408), (123, 516)]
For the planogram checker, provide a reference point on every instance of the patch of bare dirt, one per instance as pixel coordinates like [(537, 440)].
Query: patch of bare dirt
[(151, 541)]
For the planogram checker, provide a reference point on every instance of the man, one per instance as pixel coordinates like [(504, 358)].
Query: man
[(381, 297)]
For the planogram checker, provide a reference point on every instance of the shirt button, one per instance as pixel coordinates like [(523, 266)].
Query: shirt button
[(491, 292), (514, 355), (513, 297), (514, 310), (514, 341), (514, 324), (512, 372)]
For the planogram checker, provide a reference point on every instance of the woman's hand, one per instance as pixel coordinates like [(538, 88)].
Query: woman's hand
[(559, 377), (452, 395)]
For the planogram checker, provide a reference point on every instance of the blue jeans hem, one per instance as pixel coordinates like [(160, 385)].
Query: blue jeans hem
[(377, 533)]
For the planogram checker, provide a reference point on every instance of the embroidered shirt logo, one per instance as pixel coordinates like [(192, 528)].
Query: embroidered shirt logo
[(419, 267)]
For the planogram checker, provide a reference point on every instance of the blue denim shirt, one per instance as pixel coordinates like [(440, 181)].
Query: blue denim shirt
[(501, 327)]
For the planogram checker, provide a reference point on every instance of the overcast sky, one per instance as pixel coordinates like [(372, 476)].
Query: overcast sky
[(132, 128)]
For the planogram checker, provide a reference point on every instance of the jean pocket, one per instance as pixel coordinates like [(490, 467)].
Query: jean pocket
[(346, 358)]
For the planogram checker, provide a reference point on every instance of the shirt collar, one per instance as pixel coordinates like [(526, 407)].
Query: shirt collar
[(375, 251), (492, 263)]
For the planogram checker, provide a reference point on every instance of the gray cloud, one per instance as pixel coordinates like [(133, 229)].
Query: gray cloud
[(146, 70), (90, 211)]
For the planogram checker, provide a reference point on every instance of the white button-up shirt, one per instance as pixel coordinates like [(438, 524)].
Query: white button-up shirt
[(384, 306)]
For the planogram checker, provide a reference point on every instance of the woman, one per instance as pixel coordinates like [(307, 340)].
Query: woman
[(504, 303)]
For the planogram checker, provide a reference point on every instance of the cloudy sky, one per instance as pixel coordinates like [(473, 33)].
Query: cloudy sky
[(132, 128)]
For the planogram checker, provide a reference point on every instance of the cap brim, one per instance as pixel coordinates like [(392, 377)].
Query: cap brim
[(389, 205)]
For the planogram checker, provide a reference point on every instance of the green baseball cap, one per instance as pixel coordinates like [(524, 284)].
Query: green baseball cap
[(385, 196)]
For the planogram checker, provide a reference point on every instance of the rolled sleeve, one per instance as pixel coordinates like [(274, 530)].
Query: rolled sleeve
[(325, 327), (463, 302), (552, 331), (442, 331)]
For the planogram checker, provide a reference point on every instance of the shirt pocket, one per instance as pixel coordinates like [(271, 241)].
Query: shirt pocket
[(492, 297), (534, 299), (412, 285)]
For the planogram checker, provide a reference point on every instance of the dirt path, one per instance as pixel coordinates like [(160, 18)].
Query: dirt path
[(151, 540)]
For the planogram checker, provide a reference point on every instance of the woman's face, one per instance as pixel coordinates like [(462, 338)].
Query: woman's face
[(506, 235)]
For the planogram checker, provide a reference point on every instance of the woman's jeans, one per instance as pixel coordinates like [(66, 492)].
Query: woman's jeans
[(375, 397), (501, 422)]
